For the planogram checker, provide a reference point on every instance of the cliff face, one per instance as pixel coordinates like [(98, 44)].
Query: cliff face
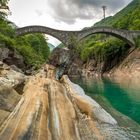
[(129, 67), (115, 66), (98, 68), (60, 56), (54, 110)]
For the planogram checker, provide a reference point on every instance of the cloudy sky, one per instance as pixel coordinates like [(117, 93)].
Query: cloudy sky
[(62, 14)]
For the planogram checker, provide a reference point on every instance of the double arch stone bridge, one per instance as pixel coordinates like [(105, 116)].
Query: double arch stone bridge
[(66, 36)]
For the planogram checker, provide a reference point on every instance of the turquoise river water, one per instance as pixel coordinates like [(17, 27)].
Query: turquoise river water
[(120, 99)]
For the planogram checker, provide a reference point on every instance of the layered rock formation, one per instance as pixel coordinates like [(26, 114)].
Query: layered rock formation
[(129, 68), (58, 110), (9, 81), (9, 98), (10, 76)]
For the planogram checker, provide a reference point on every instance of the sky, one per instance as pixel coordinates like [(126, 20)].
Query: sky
[(62, 14)]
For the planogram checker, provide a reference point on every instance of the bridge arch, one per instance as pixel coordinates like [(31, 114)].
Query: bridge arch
[(65, 36), (125, 35), (58, 34)]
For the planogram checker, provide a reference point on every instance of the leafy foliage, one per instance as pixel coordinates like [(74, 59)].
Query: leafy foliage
[(100, 49), (61, 45), (128, 18), (34, 48), (102, 46), (3, 7), (137, 41), (3, 2)]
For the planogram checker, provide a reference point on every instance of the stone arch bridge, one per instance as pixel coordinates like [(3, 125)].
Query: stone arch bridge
[(66, 36)]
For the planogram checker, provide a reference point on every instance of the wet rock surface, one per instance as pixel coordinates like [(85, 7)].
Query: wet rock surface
[(58, 110)]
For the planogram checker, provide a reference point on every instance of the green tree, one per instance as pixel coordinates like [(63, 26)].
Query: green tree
[(3, 7), (32, 47)]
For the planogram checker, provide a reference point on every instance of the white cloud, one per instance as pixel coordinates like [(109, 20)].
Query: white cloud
[(70, 10), (58, 14)]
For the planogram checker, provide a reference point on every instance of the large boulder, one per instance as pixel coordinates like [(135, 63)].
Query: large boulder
[(9, 77), (87, 105), (12, 57), (9, 98), (59, 56)]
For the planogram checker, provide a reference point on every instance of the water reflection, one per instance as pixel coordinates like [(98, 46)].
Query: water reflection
[(130, 86), (123, 95)]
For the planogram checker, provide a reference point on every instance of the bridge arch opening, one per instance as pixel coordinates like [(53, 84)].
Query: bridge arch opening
[(103, 55), (57, 34), (52, 41), (64, 36), (108, 34)]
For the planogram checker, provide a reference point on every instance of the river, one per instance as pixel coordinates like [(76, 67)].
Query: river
[(121, 99)]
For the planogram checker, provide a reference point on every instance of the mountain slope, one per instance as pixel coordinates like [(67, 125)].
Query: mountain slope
[(127, 18), (50, 46), (101, 53)]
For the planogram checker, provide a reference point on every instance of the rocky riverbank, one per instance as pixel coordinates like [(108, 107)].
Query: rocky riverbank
[(57, 110), (10, 80), (127, 66)]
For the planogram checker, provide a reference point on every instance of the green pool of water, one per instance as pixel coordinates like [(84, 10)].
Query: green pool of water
[(125, 98)]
